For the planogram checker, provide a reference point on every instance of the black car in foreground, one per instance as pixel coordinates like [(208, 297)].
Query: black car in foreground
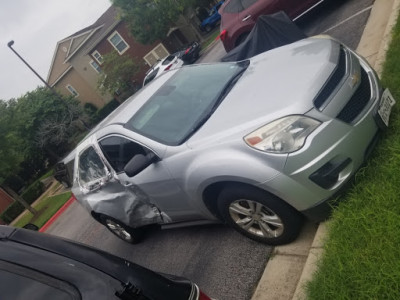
[(39, 266)]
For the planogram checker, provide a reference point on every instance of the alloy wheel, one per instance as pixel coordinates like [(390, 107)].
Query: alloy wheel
[(256, 218), (118, 230)]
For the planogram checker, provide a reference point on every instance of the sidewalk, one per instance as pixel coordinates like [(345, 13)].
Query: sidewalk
[(292, 266), (53, 189)]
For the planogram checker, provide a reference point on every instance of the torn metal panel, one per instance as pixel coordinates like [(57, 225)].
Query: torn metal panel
[(99, 190), (129, 205)]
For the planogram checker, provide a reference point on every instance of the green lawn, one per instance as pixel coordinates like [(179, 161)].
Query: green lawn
[(362, 250), (48, 174), (47, 208)]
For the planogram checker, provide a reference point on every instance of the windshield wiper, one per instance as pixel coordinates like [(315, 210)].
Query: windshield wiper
[(225, 90), (228, 86)]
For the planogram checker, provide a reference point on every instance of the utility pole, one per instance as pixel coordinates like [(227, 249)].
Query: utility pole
[(10, 44)]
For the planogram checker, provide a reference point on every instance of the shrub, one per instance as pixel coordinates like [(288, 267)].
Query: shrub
[(13, 211), (106, 110), (90, 108), (33, 192)]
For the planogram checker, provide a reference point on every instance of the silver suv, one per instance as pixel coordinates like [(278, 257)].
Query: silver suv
[(256, 144)]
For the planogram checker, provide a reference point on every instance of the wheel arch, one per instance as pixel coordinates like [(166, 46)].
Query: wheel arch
[(211, 193)]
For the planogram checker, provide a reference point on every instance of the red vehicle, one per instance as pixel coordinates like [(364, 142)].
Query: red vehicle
[(239, 16)]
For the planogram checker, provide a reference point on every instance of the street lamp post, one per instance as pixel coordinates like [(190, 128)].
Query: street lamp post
[(10, 44)]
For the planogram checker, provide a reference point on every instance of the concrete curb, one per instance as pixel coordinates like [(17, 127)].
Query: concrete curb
[(288, 272), (57, 214)]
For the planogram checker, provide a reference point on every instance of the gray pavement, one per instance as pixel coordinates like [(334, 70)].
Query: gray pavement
[(221, 261)]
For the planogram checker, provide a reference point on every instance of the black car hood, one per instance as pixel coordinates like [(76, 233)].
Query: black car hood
[(152, 284)]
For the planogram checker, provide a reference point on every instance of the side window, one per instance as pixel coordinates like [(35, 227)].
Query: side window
[(119, 151), (91, 167), (20, 283)]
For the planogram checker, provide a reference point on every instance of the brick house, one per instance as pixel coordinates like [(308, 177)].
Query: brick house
[(77, 59), (5, 201)]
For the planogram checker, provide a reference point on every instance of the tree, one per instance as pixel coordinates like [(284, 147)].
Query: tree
[(10, 142), (117, 73), (45, 122), (33, 127), (149, 21), (11, 150)]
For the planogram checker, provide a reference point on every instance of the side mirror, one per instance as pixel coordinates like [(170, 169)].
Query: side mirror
[(138, 163)]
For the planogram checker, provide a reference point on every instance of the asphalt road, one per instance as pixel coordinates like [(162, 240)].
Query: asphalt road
[(223, 263)]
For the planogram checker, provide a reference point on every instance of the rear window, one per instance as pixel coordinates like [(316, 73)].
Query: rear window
[(168, 60), (237, 6), (151, 76)]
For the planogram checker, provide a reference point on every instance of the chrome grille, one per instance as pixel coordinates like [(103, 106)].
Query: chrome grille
[(358, 101)]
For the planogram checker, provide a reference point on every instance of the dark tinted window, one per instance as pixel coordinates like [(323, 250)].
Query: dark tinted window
[(151, 76), (168, 60), (33, 285), (236, 6), (119, 151)]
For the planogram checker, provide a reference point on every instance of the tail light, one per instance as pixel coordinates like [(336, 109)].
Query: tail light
[(169, 67), (223, 34), (203, 296), (187, 50)]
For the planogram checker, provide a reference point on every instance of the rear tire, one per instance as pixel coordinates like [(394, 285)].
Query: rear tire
[(259, 215), (124, 232)]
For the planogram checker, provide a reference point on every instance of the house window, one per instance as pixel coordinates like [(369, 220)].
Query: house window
[(118, 42), (95, 66), (97, 56), (158, 53), (73, 91)]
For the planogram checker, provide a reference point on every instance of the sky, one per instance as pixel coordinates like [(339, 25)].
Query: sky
[(36, 26)]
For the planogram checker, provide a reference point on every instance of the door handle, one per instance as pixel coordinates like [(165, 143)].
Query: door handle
[(246, 18)]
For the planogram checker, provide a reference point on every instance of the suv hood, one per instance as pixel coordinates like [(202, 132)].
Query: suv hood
[(277, 83)]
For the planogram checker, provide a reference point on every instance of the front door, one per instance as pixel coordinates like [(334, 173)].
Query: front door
[(154, 181)]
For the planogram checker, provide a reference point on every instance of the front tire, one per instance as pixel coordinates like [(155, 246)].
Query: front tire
[(259, 215), (124, 232)]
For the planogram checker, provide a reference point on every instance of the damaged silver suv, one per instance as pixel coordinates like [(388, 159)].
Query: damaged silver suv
[(257, 144)]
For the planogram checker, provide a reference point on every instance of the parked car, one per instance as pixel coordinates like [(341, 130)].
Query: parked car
[(190, 53), (257, 144), (169, 63), (213, 18), (238, 17), (39, 266)]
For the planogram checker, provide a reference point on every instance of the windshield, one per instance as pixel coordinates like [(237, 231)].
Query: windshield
[(175, 111)]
